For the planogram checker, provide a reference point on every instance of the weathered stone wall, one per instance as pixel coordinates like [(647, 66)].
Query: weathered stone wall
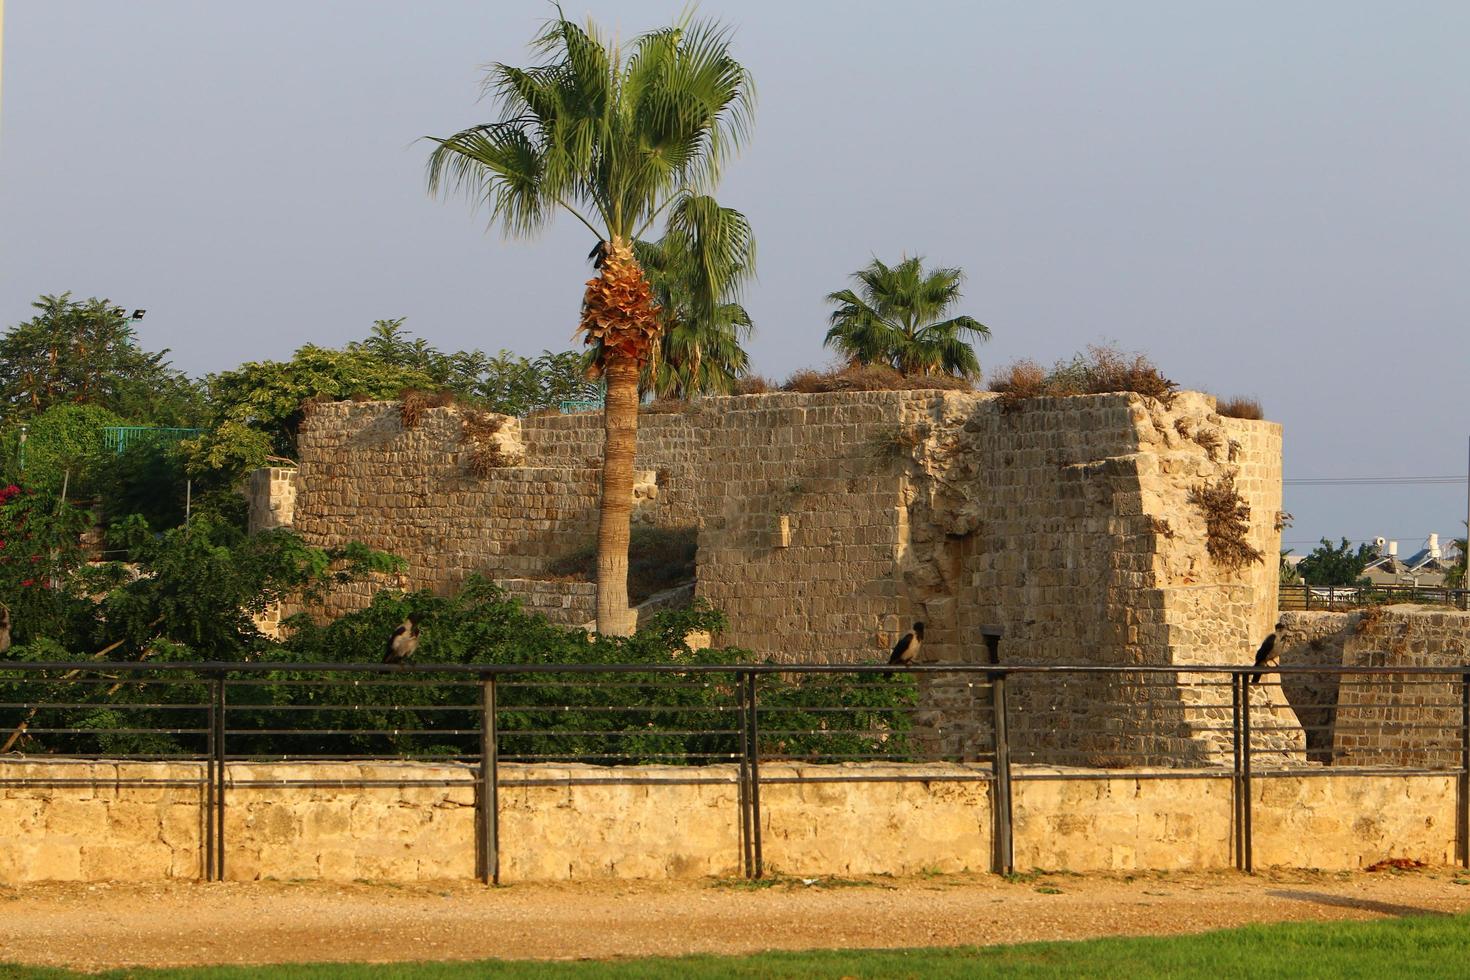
[(1378, 719), (272, 497), (145, 821), (563, 603), (827, 523)]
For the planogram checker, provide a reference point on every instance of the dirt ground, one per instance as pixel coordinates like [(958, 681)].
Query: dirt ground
[(99, 926)]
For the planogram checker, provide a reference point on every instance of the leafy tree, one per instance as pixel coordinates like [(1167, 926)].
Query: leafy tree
[(63, 444), (1327, 564), (87, 352), (259, 405), (516, 385), (1455, 577), (618, 136), (894, 319)]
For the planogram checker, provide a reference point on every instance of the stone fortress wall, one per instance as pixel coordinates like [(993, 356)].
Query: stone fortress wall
[(1379, 719), (827, 523)]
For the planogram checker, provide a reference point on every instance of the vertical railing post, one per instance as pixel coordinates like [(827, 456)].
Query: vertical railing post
[(742, 791), (487, 796), (1247, 846), (1237, 781), (753, 734), (1004, 859), (219, 755), (1462, 801), (207, 869)]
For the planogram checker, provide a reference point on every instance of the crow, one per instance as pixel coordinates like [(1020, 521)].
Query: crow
[(598, 255), (1268, 655), (404, 641), (907, 649)]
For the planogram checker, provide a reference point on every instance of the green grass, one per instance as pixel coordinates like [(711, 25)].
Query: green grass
[(1428, 946)]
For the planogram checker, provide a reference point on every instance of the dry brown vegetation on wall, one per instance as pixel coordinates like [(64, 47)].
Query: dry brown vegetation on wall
[(870, 377), (1241, 408), (480, 429), (1100, 370), (1227, 522)]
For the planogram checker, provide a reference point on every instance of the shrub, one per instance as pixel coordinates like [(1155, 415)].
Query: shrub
[(412, 404), (636, 717), (1240, 408), (1016, 382)]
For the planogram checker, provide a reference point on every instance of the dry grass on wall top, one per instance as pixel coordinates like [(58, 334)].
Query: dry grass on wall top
[(1241, 408), (1101, 370), (870, 377), (1227, 523), (414, 403)]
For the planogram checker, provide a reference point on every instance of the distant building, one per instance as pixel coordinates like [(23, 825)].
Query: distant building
[(1425, 567)]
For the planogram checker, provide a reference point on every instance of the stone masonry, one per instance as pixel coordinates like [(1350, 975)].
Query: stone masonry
[(138, 821), (1379, 719), (828, 522)]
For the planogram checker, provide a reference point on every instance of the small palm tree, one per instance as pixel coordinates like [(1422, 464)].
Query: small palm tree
[(618, 136), (894, 319), (700, 350)]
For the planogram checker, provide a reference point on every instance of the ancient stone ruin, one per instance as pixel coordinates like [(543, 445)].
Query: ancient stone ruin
[(824, 524)]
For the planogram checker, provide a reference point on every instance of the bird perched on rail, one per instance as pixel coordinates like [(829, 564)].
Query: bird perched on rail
[(1269, 655), (907, 648), (404, 641)]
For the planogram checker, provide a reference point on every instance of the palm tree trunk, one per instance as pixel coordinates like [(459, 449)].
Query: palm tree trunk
[(620, 423)]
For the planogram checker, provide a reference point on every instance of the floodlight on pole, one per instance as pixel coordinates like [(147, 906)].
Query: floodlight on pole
[(138, 314)]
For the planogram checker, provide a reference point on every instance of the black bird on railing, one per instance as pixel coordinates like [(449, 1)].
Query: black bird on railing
[(404, 641), (1268, 655), (907, 648)]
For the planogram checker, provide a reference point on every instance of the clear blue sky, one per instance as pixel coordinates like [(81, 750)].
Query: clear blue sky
[(1270, 198)]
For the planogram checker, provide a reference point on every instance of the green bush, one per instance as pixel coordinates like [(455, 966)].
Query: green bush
[(628, 717)]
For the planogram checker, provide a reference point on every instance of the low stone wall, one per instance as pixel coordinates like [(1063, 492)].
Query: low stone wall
[(144, 821)]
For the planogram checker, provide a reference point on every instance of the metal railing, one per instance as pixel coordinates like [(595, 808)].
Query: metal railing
[(490, 725), (119, 437), (1328, 597)]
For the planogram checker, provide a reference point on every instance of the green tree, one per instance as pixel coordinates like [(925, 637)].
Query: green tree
[(258, 406), (1329, 564), (63, 444), (87, 352), (1455, 577), (894, 318), (618, 136)]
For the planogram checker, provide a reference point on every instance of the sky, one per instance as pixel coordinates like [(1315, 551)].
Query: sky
[(1268, 198)]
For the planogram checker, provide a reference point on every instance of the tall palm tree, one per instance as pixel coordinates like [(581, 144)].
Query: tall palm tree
[(618, 136), (894, 319), (700, 349)]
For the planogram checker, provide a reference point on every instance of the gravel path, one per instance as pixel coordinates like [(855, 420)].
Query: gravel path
[(99, 926)]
